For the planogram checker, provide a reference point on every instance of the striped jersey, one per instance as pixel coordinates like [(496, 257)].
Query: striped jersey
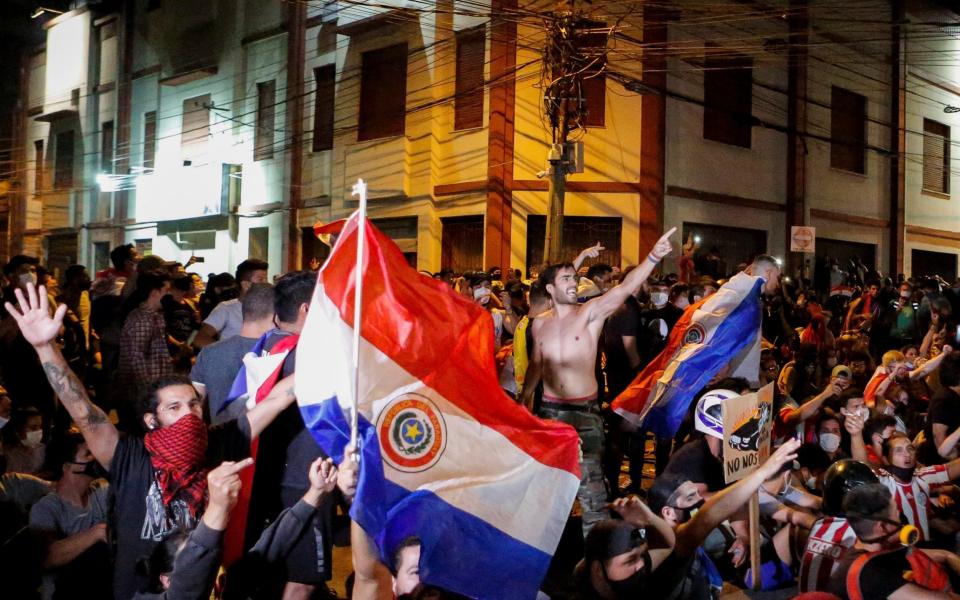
[(913, 498), (830, 538)]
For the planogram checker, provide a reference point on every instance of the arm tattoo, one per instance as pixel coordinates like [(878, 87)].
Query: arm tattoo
[(73, 395)]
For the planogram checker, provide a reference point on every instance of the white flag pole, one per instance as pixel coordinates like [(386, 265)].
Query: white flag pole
[(359, 189)]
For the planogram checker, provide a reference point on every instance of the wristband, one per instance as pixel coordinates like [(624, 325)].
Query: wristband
[(652, 259)]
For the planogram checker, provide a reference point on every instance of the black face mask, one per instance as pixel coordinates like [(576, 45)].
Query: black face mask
[(685, 514), (901, 473), (631, 587), (91, 469)]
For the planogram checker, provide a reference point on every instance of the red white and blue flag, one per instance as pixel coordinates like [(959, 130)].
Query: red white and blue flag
[(259, 374), (445, 455), (722, 330)]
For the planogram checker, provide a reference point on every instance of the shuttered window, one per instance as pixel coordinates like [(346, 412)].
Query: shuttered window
[(266, 113), (848, 130), (728, 100), (936, 157), (38, 166), (323, 102), (468, 102), (383, 93), (106, 147), (63, 167), (149, 139), (195, 127)]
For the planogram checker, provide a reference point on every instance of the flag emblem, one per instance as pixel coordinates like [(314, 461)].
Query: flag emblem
[(694, 334), (414, 432)]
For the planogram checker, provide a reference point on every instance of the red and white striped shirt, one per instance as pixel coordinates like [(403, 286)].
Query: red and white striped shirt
[(830, 538), (913, 498)]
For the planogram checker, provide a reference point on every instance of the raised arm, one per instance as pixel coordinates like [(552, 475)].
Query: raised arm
[(279, 398), (812, 406), (854, 423), (947, 449), (591, 252), (929, 366), (604, 305), (722, 505), (40, 329)]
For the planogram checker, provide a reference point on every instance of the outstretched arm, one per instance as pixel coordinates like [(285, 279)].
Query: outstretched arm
[(725, 503), (603, 306), (40, 329), (591, 252)]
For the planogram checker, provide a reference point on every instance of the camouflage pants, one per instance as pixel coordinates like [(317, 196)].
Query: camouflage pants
[(589, 425)]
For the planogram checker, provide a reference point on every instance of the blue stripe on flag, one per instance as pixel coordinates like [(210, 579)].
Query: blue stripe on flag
[(737, 330), (452, 539)]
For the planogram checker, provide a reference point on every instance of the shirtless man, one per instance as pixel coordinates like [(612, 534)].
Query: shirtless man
[(564, 355)]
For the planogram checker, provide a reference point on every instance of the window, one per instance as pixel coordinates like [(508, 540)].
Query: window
[(468, 102), (578, 233), (259, 243), (323, 103), (936, 157), (149, 139), (266, 111), (195, 127), (383, 93), (592, 46), (37, 166), (231, 187), (848, 130), (101, 256), (63, 168), (461, 243), (106, 147), (927, 263), (728, 100)]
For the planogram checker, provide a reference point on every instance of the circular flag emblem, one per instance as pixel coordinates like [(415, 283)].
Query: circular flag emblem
[(694, 334), (412, 433)]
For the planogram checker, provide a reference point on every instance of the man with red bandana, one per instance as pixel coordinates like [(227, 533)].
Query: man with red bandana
[(159, 481)]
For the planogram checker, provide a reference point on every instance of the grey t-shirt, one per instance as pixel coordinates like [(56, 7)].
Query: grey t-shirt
[(216, 368), (226, 318), (51, 514)]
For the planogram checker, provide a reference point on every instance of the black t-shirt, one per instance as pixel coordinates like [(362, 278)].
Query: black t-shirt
[(624, 322), (695, 463), (285, 451), (180, 318), (882, 575), (945, 410), (139, 520), (649, 340)]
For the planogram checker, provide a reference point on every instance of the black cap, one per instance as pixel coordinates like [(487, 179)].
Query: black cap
[(612, 538), (840, 478)]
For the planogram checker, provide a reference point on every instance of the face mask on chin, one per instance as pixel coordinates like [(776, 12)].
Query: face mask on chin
[(901, 473), (4, 421)]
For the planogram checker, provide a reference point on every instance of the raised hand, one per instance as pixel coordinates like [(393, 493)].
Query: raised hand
[(223, 483), (663, 246), (783, 454), (348, 472), (853, 423), (592, 251), (633, 510), (33, 318), (323, 475)]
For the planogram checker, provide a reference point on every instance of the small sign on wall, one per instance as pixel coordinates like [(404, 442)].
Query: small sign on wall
[(803, 239)]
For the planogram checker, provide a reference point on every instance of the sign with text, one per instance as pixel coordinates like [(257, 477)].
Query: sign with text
[(747, 422), (803, 239)]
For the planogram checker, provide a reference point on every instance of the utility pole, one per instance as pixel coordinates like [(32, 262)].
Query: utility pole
[(570, 54)]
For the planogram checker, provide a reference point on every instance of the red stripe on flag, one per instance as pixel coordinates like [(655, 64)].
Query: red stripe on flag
[(236, 530), (440, 338)]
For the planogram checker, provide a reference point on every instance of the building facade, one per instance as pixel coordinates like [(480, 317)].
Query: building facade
[(223, 130)]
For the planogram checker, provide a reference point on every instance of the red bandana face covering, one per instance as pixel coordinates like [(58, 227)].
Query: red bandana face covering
[(177, 453)]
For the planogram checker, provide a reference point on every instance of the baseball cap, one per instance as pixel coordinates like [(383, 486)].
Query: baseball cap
[(841, 371), (612, 538)]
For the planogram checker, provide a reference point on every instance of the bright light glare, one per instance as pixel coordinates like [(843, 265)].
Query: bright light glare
[(108, 183), (696, 239), (779, 262)]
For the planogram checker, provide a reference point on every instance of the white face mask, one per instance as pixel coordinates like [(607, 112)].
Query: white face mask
[(3, 422), (905, 294), (26, 278), (811, 483), (33, 438), (658, 298), (481, 295), (829, 442)]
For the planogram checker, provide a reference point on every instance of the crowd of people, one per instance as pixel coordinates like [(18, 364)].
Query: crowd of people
[(123, 456)]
